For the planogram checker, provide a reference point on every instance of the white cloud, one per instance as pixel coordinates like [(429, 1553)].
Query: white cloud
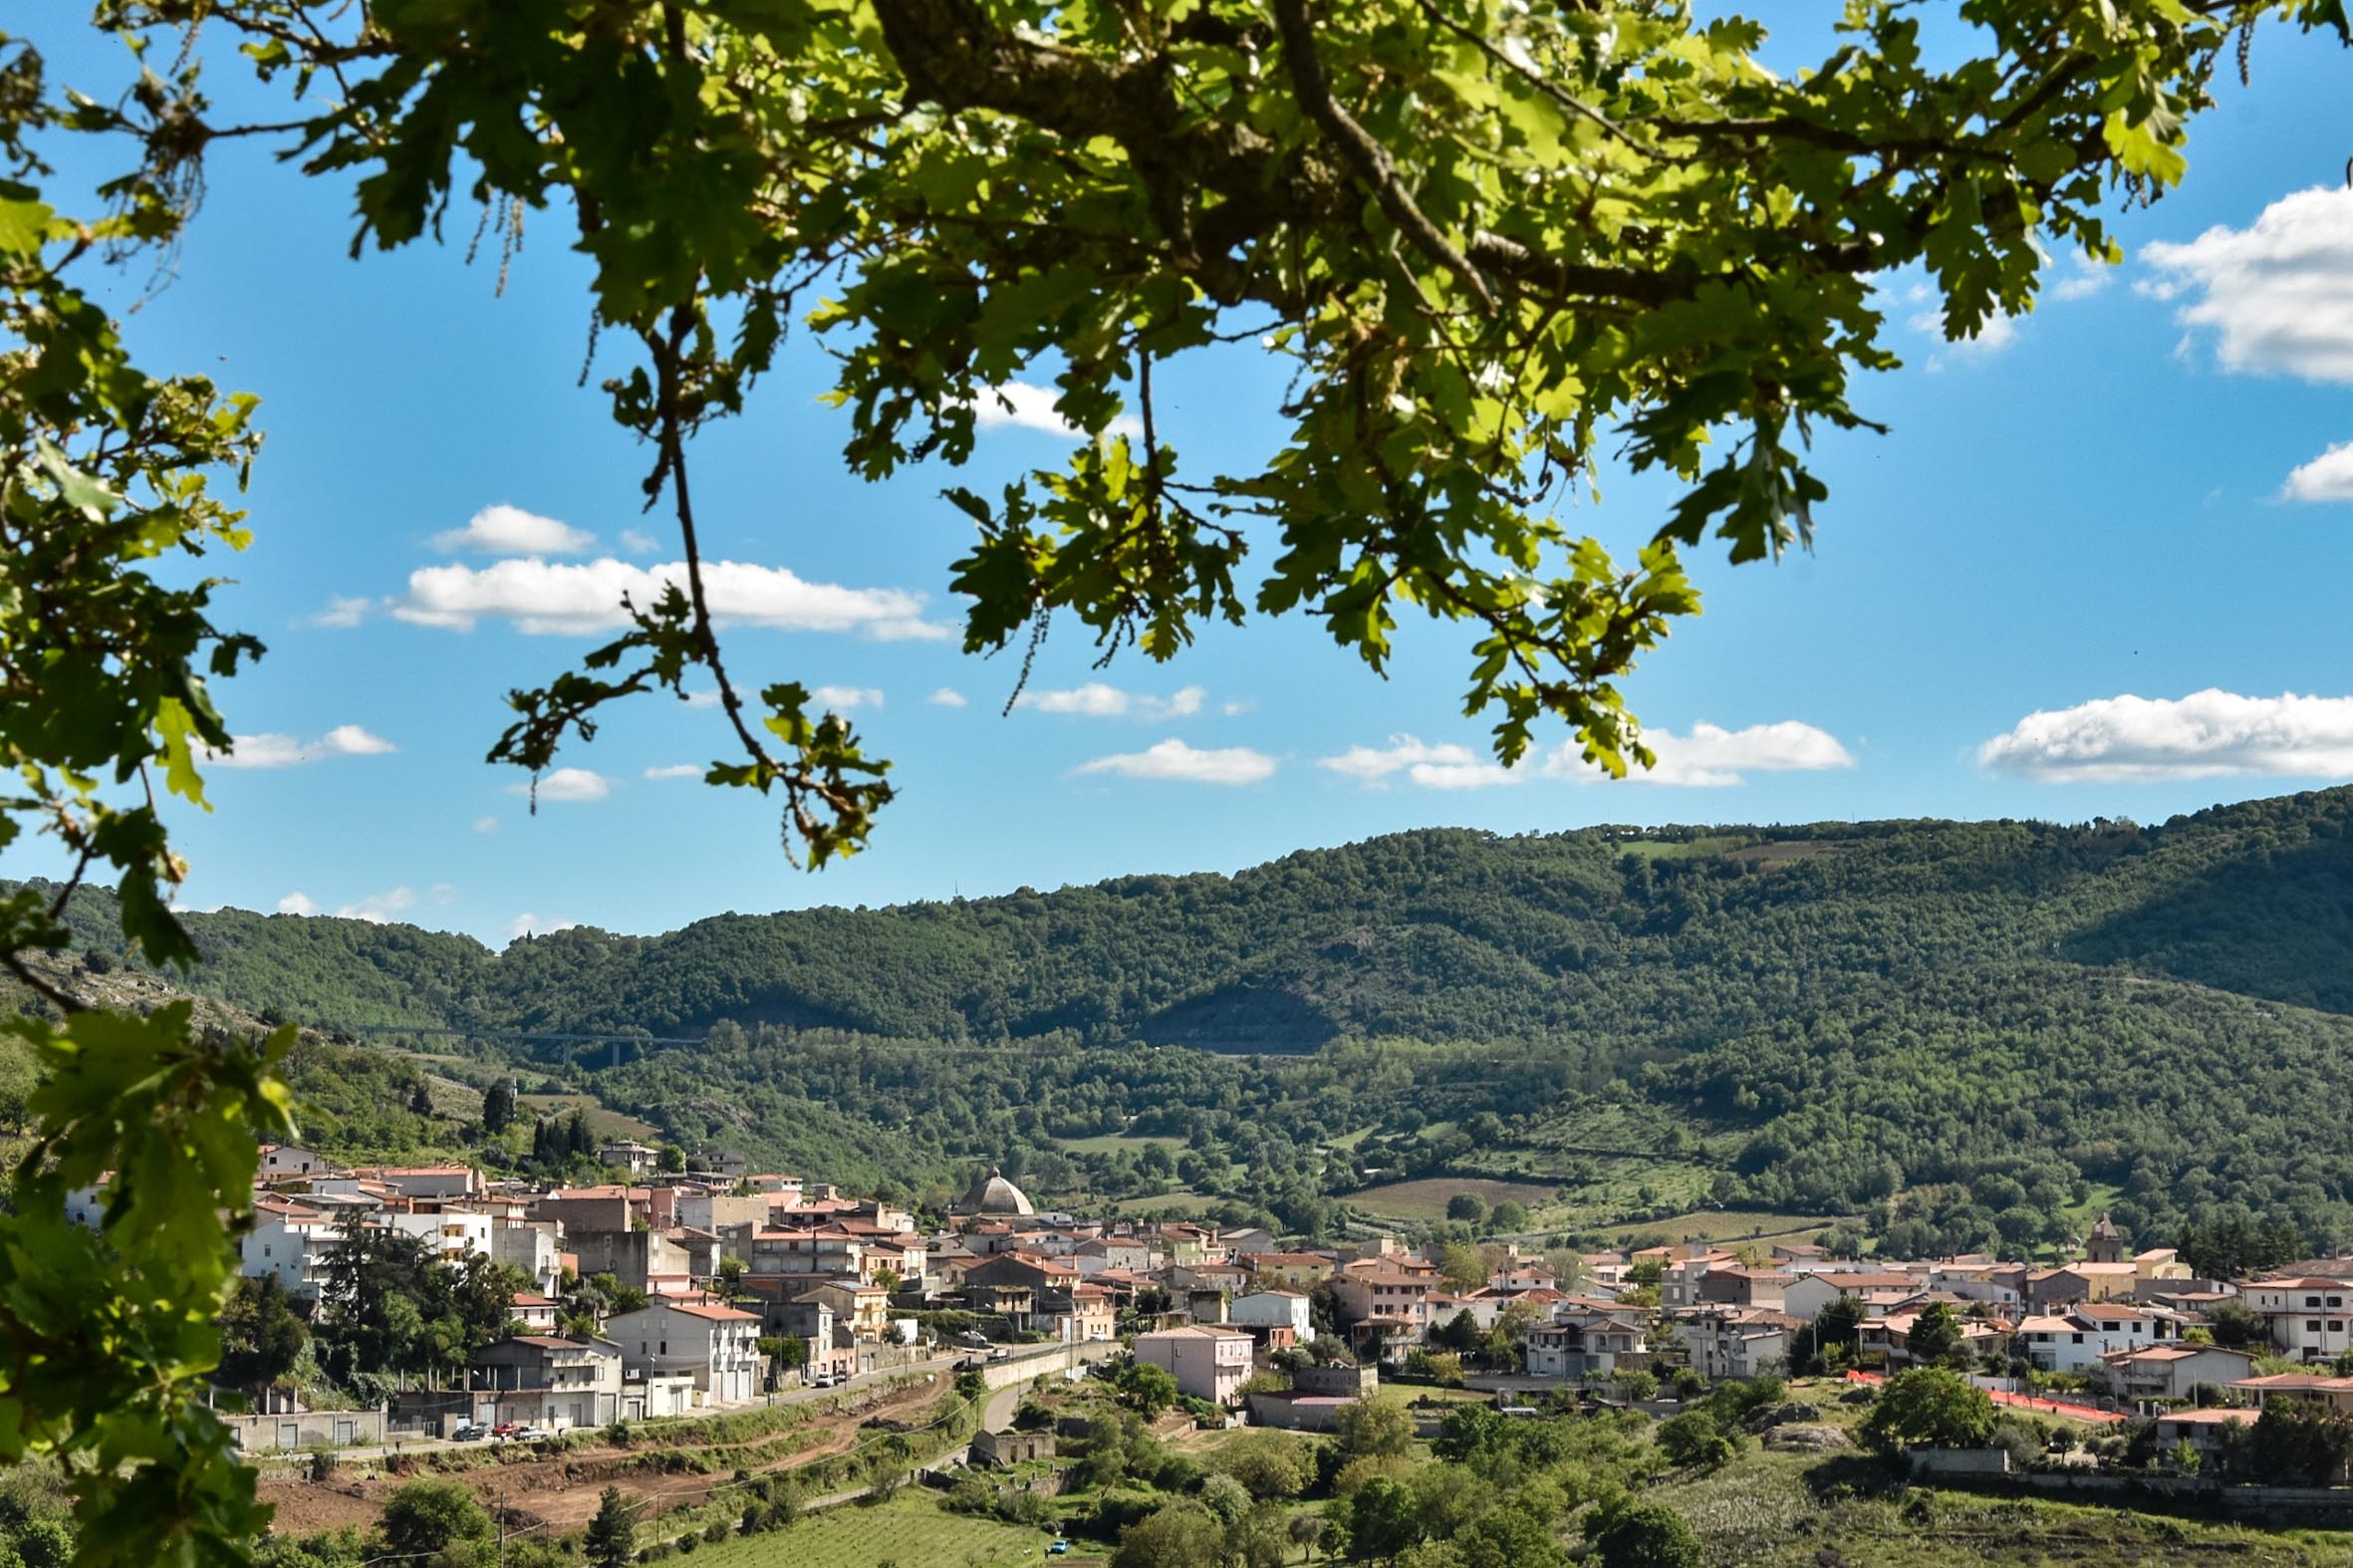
[(1712, 757), (284, 751), (567, 784), (485, 824), (1020, 405), (445, 893), (842, 700), (1174, 759), (297, 904), (342, 612), (675, 770), (1095, 699), (1709, 756), (510, 530), (707, 697), (2207, 734), (2082, 277), (639, 542), (1236, 706), (2328, 477), (378, 908), (530, 924), (559, 597), (349, 740), (2279, 294), (1442, 766), (946, 696)]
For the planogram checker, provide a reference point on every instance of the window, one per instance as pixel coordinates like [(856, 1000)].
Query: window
[(2312, 1326)]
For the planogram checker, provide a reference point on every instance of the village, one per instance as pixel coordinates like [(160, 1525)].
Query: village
[(717, 1287)]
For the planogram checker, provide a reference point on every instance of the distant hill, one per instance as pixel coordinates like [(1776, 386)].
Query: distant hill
[(1854, 1015), (1669, 937)]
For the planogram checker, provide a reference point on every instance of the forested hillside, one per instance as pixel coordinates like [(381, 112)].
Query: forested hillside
[(1965, 1028)]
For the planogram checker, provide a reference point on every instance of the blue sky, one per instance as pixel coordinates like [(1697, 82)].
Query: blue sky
[(2120, 503)]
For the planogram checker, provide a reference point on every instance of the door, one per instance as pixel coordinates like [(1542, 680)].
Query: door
[(289, 1434), (342, 1434)]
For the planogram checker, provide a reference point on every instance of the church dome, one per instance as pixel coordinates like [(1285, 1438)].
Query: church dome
[(993, 1195)]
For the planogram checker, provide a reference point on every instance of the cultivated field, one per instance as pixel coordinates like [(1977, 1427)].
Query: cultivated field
[(1426, 1200)]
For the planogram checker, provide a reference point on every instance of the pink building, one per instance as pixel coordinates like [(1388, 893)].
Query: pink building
[(1208, 1363)]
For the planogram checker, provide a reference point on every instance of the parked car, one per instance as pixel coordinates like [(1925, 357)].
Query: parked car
[(468, 1431), (824, 1379), (532, 1434), (506, 1429), (1058, 1547)]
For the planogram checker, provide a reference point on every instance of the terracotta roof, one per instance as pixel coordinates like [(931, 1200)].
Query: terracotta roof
[(2116, 1311), (711, 1314), (2296, 1380)]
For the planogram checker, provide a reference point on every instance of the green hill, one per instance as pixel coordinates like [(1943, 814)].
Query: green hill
[(1964, 1028)]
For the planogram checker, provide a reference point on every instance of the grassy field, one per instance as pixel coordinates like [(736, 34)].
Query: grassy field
[(1426, 1200), (911, 1531), (1183, 1202), (1112, 1143), (603, 1123)]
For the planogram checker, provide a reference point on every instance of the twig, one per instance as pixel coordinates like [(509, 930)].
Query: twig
[(1370, 160)]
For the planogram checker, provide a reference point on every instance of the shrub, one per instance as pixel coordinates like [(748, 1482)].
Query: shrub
[(1630, 1535), (1694, 1441)]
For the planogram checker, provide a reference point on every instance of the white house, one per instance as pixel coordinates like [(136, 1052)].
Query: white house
[(536, 1246), (2309, 1318), (1277, 1307), (718, 1347), (453, 1233), (297, 1251), (2078, 1339), (2172, 1371), (289, 1160), (631, 1156)]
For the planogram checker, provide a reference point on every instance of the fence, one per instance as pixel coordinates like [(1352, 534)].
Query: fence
[(302, 1430)]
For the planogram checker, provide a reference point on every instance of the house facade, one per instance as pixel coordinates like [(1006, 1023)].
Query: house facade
[(550, 1379), (2309, 1318), (1208, 1363), (1586, 1343), (718, 1347)]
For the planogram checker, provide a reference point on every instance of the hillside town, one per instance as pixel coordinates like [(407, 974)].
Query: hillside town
[(676, 1292)]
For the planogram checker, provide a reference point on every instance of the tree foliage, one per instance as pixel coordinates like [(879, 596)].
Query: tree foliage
[(1493, 239), (612, 1541), (1934, 1406), (1490, 240)]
